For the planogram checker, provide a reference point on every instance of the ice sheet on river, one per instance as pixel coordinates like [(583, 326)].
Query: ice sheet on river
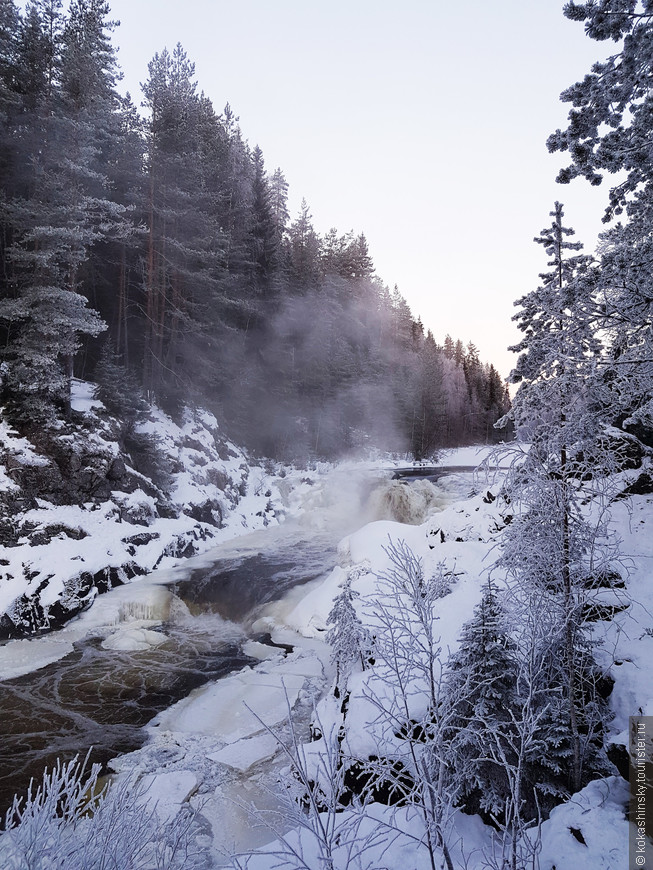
[(242, 704)]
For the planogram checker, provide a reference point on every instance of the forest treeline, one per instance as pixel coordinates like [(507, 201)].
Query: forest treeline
[(155, 252)]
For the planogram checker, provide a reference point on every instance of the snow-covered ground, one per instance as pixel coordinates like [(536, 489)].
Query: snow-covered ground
[(221, 749), (588, 831)]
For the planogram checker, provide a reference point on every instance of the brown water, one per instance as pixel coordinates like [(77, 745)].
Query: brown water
[(99, 699)]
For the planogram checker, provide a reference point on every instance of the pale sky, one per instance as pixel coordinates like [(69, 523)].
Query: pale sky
[(422, 124)]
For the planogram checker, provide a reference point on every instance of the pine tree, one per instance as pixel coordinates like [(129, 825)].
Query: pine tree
[(609, 122), (9, 30), (608, 132), (185, 283), (61, 211)]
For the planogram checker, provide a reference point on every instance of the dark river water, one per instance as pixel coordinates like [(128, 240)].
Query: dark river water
[(99, 699)]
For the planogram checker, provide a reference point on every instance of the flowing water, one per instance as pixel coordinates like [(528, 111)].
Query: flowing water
[(98, 699)]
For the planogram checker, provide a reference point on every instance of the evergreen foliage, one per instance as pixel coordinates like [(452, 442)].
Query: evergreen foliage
[(608, 133), (169, 234), (348, 638), (481, 686), (551, 546)]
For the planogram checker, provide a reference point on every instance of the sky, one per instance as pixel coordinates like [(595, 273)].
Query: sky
[(421, 124)]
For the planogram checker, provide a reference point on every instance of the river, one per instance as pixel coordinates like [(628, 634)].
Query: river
[(98, 697)]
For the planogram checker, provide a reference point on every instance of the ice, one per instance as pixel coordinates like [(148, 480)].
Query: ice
[(234, 823), (236, 707), (134, 640), (261, 651), (243, 754), (166, 792), (136, 606)]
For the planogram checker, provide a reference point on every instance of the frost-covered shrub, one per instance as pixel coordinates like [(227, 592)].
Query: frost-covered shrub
[(66, 824)]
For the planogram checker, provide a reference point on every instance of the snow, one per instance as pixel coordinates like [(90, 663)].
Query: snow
[(62, 546), (598, 814), (472, 456), (222, 708), (18, 449), (261, 651), (82, 396), (462, 535), (218, 737)]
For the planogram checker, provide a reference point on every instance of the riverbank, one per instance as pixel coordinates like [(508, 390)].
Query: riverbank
[(98, 504), (152, 640), (214, 750)]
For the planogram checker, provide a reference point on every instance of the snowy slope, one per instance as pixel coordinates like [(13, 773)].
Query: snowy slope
[(83, 519), (213, 750)]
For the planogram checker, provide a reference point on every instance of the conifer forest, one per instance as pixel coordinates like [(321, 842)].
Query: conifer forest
[(161, 246), (288, 580)]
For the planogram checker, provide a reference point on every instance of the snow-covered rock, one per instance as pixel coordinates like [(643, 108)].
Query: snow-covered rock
[(77, 517)]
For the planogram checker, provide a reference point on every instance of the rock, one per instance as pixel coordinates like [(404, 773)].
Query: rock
[(141, 538), (210, 512), (627, 450), (643, 431), (117, 470), (642, 486), (613, 450), (604, 579), (111, 577), (39, 536), (618, 755), (218, 478)]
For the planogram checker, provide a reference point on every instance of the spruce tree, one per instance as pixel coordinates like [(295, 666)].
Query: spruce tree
[(549, 546), (481, 687), (349, 640)]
